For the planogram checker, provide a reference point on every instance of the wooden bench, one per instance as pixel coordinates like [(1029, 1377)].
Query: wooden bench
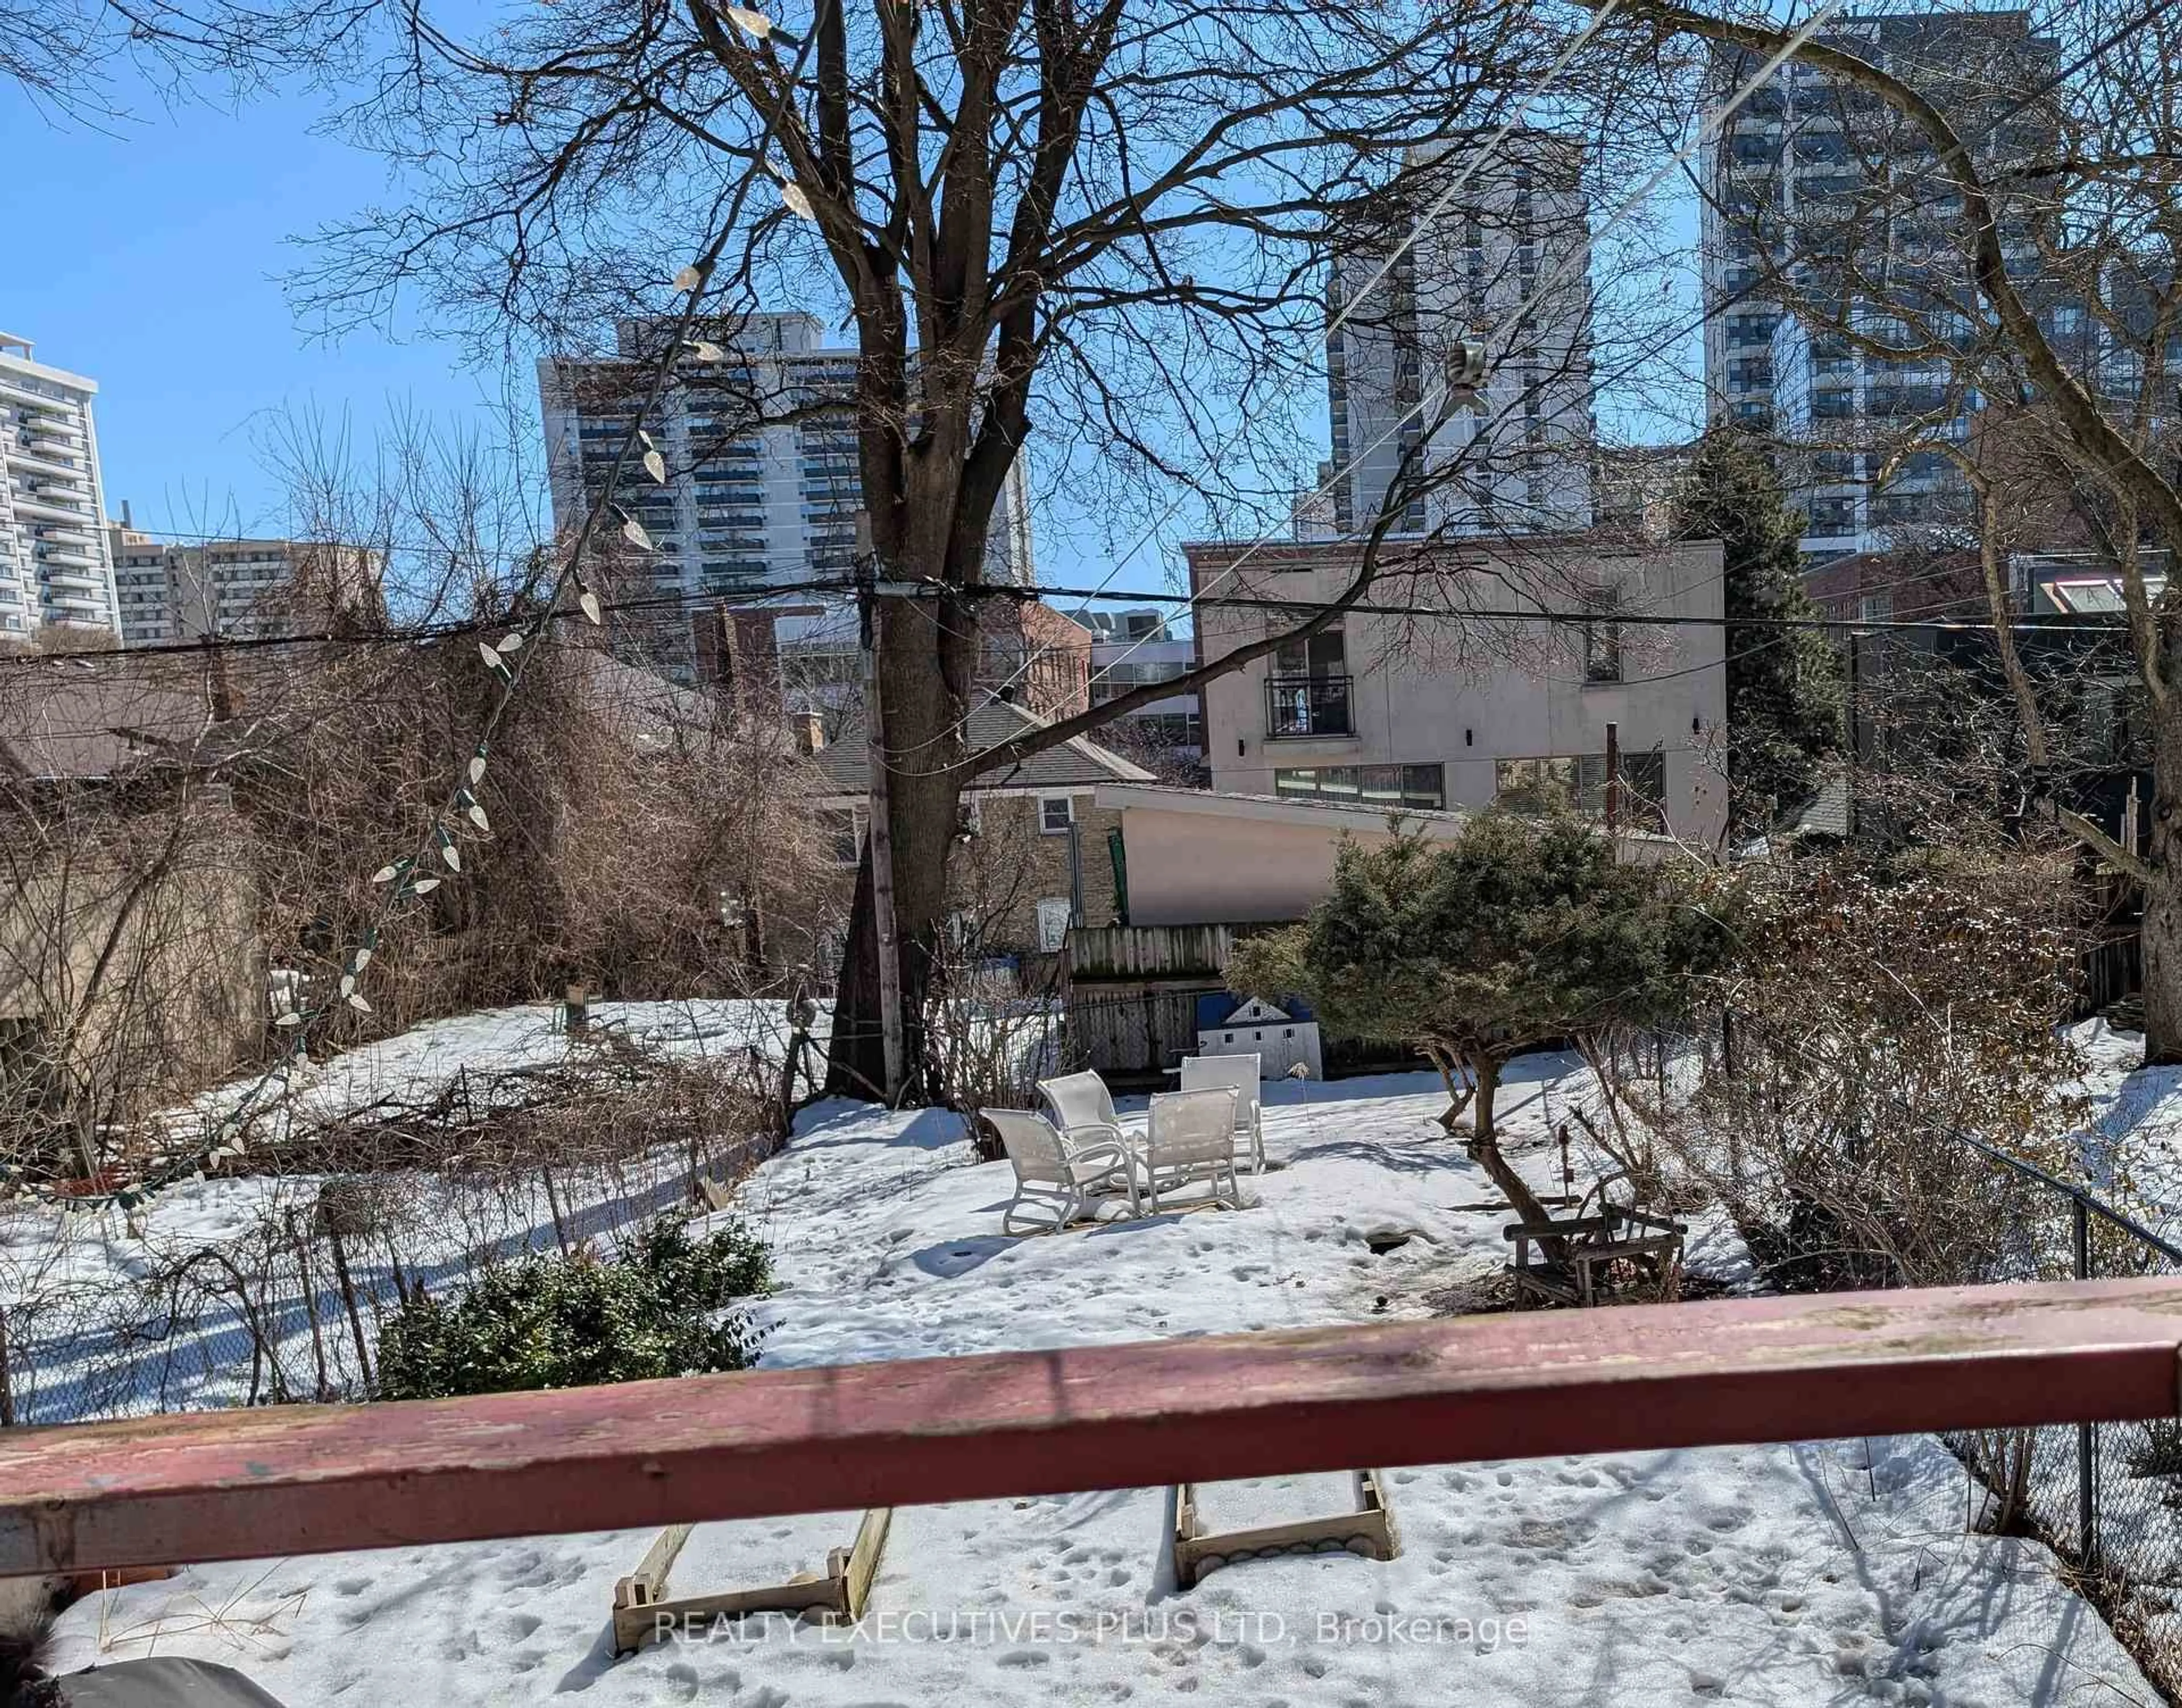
[(1574, 1253)]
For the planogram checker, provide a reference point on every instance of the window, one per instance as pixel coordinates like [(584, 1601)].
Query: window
[(1832, 518), (1055, 812), (1320, 654), (838, 826), (1386, 786), (1576, 783), (1054, 913), (1602, 640)]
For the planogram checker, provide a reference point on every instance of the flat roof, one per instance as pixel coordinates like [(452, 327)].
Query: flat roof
[(23, 363), (1282, 809)]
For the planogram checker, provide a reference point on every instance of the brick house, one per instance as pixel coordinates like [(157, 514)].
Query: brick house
[(1039, 853), (807, 657)]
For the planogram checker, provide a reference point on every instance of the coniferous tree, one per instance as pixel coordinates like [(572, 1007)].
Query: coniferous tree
[(1786, 701), (1515, 935)]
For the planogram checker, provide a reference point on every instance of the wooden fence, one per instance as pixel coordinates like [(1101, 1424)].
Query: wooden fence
[(1130, 1037)]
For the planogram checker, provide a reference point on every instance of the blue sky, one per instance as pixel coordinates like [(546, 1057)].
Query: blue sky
[(163, 239), (166, 237), (169, 236)]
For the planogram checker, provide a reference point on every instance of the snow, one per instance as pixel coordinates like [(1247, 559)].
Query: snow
[(416, 1064), (86, 1347), (2132, 1140), (1835, 1572)]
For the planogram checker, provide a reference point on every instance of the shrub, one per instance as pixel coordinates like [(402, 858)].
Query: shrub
[(1882, 1007), (548, 1321), (1511, 935)]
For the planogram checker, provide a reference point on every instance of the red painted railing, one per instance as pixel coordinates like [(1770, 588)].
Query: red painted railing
[(305, 1479)]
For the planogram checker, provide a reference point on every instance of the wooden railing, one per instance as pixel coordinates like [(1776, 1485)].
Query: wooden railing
[(303, 1479)]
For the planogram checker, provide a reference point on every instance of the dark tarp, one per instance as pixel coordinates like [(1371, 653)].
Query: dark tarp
[(162, 1681)]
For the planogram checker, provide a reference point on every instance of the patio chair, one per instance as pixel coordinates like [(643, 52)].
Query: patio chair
[(1237, 1074), (1066, 1181), (1191, 1137), (1082, 1106)]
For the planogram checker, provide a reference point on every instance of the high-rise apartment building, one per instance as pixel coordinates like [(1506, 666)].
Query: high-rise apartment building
[(235, 589), (1506, 262), (1132, 648), (1824, 187), (763, 486), (54, 569)]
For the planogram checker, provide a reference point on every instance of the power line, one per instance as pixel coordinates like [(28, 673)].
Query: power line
[(2059, 623), (453, 629)]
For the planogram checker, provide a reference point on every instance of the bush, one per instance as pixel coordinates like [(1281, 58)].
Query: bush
[(1511, 935), (547, 1321)]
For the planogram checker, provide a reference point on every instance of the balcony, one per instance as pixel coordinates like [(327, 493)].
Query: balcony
[(38, 458), (43, 507), (1299, 707)]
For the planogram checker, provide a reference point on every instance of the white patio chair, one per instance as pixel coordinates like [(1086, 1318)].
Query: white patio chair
[(1237, 1074), (1191, 1137), (1067, 1181), (1082, 1106)]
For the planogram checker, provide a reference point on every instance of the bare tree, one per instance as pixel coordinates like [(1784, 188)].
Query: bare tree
[(2071, 220), (63, 55), (1101, 229)]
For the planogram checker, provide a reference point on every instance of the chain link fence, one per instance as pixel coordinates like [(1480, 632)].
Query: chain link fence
[(2107, 1496)]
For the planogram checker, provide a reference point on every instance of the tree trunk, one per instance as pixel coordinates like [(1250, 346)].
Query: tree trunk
[(2161, 939), (925, 668), (1485, 1142)]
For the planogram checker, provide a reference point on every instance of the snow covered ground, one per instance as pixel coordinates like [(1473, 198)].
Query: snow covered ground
[(85, 1346), (415, 1065), (1831, 1572), (2133, 1139)]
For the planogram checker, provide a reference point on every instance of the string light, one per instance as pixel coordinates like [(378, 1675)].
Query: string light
[(401, 877)]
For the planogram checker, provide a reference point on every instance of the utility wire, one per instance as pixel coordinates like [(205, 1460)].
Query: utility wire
[(2057, 623), (452, 629)]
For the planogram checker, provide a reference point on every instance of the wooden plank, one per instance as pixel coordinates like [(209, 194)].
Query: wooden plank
[(651, 1570), (634, 1626), (643, 1614), (1368, 1523), (863, 1562), (306, 1480)]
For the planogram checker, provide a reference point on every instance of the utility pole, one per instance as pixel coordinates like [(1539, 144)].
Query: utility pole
[(1612, 779), (745, 712), (881, 836)]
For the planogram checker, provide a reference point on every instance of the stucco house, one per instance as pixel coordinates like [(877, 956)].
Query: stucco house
[(1441, 691)]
